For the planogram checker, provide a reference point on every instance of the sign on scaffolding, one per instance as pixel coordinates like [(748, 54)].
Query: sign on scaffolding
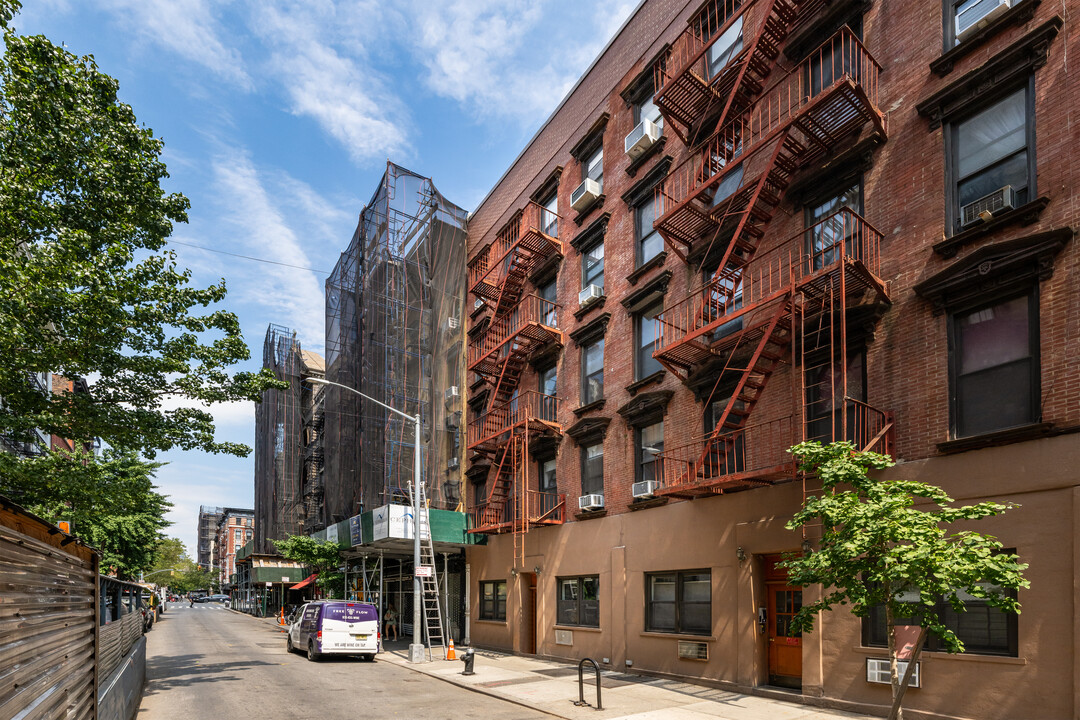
[(425, 571)]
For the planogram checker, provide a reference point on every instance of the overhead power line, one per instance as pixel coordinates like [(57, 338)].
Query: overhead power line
[(250, 257)]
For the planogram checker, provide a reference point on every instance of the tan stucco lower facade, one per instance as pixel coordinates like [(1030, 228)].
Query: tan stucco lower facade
[(1041, 681)]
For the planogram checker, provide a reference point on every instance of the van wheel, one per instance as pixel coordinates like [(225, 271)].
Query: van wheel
[(369, 658), (288, 643), (311, 654)]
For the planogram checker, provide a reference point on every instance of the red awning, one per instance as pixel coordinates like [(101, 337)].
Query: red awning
[(305, 582)]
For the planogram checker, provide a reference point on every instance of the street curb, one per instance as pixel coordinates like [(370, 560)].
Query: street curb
[(475, 689)]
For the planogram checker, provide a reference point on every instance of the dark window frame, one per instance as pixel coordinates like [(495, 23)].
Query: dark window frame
[(586, 396), (586, 160), (586, 278), (581, 614), (951, 128), (948, 24), (836, 189), (955, 353), (641, 234), (554, 488), (586, 477), (678, 604), (642, 365), (495, 610), (933, 643), (639, 451)]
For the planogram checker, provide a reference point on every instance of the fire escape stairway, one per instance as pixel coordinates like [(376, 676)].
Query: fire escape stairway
[(718, 462), (686, 98)]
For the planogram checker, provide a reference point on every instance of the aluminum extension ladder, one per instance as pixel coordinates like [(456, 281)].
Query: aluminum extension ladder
[(432, 610)]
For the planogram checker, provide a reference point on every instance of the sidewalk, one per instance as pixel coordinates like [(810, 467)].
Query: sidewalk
[(552, 687)]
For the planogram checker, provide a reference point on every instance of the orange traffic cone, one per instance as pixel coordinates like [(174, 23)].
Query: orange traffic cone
[(281, 619), (450, 651)]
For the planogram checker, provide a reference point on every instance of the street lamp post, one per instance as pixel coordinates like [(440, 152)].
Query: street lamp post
[(416, 648)]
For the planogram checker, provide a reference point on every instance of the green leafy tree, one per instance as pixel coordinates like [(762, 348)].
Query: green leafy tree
[(87, 286), (886, 541), (319, 556), (111, 502)]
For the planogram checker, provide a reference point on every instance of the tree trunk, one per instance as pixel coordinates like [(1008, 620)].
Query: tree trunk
[(894, 680), (896, 713)]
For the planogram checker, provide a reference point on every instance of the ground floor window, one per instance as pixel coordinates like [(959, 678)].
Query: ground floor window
[(493, 600), (679, 602), (984, 630), (579, 601)]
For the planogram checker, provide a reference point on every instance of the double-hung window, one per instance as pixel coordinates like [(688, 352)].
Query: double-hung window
[(993, 152), (549, 309), (646, 109), (646, 337), (579, 601), (548, 480), (963, 17), (592, 469), (995, 366), (548, 381), (650, 444), (493, 600), (724, 49), (593, 167), (549, 216), (649, 242), (592, 372), (592, 267), (679, 602), (827, 227)]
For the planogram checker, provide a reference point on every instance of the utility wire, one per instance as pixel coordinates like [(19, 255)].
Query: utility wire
[(249, 257)]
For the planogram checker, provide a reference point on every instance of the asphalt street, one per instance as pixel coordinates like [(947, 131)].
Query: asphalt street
[(209, 662)]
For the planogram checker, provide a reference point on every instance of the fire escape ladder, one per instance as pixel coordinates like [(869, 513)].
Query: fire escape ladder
[(767, 356), (518, 265)]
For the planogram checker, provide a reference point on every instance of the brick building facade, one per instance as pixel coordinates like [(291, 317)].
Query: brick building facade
[(856, 222), (234, 530)]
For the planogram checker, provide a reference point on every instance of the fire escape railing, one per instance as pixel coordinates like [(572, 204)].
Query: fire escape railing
[(518, 411), (835, 240), (532, 229), (533, 317), (754, 454)]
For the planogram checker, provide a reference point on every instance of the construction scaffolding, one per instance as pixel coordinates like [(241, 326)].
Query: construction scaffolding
[(394, 305), (278, 495)]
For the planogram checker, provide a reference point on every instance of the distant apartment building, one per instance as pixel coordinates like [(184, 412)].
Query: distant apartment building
[(288, 457), (234, 530), (753, 223), (209, 517)]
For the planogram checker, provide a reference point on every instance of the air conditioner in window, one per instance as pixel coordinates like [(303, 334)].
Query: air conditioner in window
[(452, 464), (452, 323), (978, 15), (986, 207), (590, 295), (452, 393), (585, 194), (645, 489), (641, 138), (590, 502), (477, 304)]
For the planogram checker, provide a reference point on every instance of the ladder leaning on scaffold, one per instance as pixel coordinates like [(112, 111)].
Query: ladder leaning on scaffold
[(432, 610)]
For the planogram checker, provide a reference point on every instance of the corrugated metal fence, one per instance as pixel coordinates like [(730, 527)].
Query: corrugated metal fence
[(48, 620)]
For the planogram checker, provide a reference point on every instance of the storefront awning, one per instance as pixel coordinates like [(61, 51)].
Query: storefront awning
[(305, 582)]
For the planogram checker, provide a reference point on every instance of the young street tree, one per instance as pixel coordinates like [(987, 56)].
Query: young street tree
[(87, 288), (319, 556), (892, 543)]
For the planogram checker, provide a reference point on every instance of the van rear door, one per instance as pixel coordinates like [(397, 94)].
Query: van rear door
[(350, 628)]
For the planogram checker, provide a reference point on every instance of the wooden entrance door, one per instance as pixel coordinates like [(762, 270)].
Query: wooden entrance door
[(785, 648)]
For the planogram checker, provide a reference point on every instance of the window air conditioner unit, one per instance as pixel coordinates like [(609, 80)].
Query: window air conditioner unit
[(590, 295), (452, 464), (453, 421), (477, 304), (641, 138), (986, 207), (645, 488), (978, 15), (590, 502), (452, 323), (585, 194), (452, 393)]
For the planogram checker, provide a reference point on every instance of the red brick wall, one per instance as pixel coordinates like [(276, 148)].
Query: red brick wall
[(903, 197)]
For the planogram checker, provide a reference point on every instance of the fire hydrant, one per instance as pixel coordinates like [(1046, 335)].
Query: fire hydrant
[(467, 657)]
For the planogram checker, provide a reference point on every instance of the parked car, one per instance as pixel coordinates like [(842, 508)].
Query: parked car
[(217, 598), (335, 627)]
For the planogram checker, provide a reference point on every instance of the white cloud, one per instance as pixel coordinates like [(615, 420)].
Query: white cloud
[(293, 297), (345, 95), (187, 28), (513, 60)]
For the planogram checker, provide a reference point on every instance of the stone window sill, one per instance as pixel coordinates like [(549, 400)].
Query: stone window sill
[(1000, 437), (1018, 14), (1023, 215)]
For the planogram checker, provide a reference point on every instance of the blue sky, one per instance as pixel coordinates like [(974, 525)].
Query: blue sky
[(278, 118)]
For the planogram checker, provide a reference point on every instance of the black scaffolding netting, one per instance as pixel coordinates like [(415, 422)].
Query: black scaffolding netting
[(393, 331)]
